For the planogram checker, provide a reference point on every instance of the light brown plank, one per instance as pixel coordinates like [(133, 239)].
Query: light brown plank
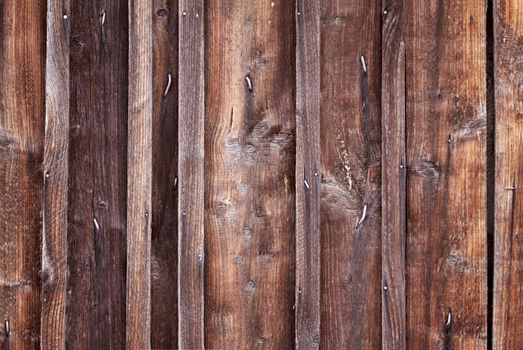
[(139, 175), (191, 174), (164, 259), (55, 179), (22, 61), (446, 176), (508, 256), (351, 173), (393, 176), (250, 174), (307, 174)]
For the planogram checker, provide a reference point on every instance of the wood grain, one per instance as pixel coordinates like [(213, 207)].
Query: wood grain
[(393, 176), (508, 262), (191, 109), (351, 173), (164, 260), (307, 174), (55, 176), (446, 161), (22, 60), (139, 175), (250, 174), (97, 175)]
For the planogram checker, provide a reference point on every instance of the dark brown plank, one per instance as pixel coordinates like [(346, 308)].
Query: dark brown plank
[(55, 179), (351, 173), (307, 174), (139, 174), (190, 174), (508, 256), (97, 175), (22, 59), (250, 174), (446, 161), (164, 259), (393, 176)]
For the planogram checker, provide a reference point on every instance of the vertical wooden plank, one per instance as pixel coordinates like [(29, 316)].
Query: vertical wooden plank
[(508, 261), (22, 55), (139, 174), (250, 174), (446, 160), (307, 174), (97, 175), (55, 179), (190, 174), (164, 259), (393, 176), (351, 173)]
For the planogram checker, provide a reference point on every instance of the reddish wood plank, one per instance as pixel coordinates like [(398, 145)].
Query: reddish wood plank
[(22, 59), (97, 175), (446, 160), (393, 176), (55, 178), (139, 175), (307, 174), (250, 174), (508, 261), (164, 259), (351, 173), (191, 174)]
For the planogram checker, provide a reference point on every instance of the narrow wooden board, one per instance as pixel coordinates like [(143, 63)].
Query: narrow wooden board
[(393, 176), (191, 174), (250, 174), (446, 176), (307, 174), (139, 175), (97, 175), (351, 173), (508, 261), (22, 61), (164, 258), (55, 176)]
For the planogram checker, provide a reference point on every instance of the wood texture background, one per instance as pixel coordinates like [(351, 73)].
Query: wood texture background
[(270, 174)]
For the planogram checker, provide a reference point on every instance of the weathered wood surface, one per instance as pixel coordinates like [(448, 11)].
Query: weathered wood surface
[(308, 177), (508, 261), (245, 174), (97, 175), (55, 177), (351, 173), (191, 109), (139, 175), (164, 255), (249, 160), (393, 176), (446, 174), (22, 59)]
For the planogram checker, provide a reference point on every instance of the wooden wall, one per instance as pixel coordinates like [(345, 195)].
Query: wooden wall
[(270, 174)]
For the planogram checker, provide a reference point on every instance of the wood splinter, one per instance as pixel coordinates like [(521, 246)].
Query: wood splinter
[(96, 225), (6, 326), (363, 216), (449, 318), (249, 83), (169, 81), (363, 64)]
